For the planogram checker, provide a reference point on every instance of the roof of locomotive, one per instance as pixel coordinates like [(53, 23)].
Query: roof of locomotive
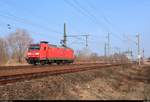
[(58, 46), (51, 45)]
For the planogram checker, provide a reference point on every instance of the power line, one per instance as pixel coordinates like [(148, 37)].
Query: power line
[(15, 19), (104, 17), (28, 22), (129, 39), (106, 20), (76, 8), (93, 17), (20, 20), (25, 21), (76, 42), (91, 6), (11, 27), (83, 11), (85, 35)]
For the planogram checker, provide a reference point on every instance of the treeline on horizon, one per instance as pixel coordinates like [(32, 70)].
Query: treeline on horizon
[(13, 48)]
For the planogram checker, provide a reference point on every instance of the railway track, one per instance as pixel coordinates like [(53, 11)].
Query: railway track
[(53, 65), (11, 76)]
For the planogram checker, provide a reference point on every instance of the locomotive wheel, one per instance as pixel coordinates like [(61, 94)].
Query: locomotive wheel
[(50, 63), (58, 63), (34, 63), (63, 62), (42, 62)]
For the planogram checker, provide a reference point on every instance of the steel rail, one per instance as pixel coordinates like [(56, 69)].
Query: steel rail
[(32, 66), (29, 76)]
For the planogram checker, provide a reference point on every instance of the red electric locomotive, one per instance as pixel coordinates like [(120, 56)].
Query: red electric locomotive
[(45, 53)]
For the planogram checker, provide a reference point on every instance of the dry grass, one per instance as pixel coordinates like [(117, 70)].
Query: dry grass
[(126, 82)]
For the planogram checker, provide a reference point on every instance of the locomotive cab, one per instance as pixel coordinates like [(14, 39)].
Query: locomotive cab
[(33, 54), (33, 50)]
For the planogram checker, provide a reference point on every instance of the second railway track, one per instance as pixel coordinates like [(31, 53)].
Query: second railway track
[(10, 76), (43, 66)]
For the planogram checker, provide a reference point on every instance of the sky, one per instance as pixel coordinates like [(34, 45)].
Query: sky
[(44, 20)]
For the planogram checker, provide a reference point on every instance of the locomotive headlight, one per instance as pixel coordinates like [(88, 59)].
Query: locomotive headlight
[(29, 53), (37, 53)]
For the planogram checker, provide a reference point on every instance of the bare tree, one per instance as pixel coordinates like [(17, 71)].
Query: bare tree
[(3, 51), (87, 55), (18, 43), (94, 56), (83, 54)]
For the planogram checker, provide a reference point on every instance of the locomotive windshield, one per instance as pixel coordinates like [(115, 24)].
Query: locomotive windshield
[(34, 47)]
